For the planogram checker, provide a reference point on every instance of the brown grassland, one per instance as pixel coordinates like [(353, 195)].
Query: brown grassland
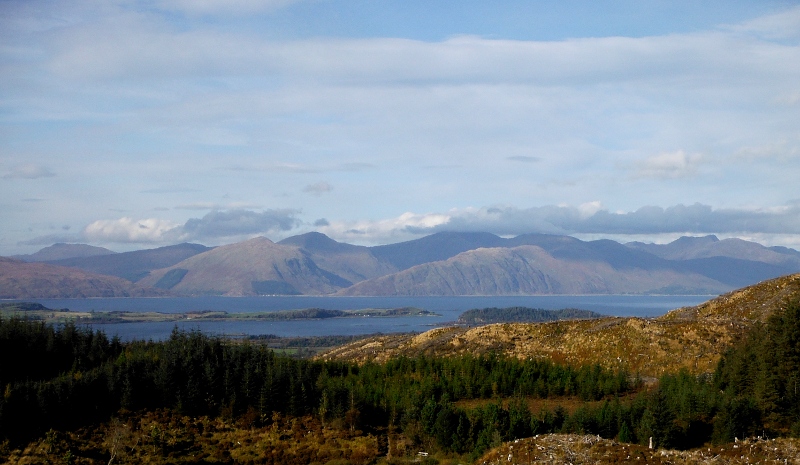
[(693, 338)]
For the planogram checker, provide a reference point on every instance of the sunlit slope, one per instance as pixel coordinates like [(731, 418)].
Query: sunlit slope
[(21, 280), (530, 270), (253, 267), (352, 262), (691, 338)]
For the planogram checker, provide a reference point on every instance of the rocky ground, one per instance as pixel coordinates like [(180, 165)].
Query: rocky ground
[(573, 449)]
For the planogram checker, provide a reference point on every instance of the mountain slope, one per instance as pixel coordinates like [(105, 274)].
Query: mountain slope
[(615, 254), (253, 267), (692, 338), (352, 262), (21, 280), (135, 265), (528, 270), (63, 251), (436, 247), (732, 262), (687, 248)]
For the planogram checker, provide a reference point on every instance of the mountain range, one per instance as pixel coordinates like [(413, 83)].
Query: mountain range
[(447, 263)]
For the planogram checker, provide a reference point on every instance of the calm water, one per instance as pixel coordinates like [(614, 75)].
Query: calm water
[(447, 307)]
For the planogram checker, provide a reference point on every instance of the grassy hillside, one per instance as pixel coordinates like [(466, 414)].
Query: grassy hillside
[(692, 338)]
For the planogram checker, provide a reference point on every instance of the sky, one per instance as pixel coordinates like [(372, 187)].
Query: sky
[(137, 124)]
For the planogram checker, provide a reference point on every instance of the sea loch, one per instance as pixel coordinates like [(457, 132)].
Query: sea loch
[(448, 309)]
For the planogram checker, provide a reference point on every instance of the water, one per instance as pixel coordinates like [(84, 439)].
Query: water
[(449, 308)]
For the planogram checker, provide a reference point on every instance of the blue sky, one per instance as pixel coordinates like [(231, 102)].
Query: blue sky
[(136, 124)]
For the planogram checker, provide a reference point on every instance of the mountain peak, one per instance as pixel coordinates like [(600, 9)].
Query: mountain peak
[(316, 242), (686, 240), (61, 251)]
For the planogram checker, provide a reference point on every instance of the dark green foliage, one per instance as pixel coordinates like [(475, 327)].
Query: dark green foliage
[(305, 314), (33, 350), (22, 306), (761, 378), (523, 315), (70, 377)]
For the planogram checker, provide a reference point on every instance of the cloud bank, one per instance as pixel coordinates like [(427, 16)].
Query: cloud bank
[(214, 226), (587, 219)]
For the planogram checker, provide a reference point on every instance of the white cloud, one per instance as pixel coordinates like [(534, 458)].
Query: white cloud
[(783, 25), (590, 208), (589, 219), (668, 165), (130, 230), (407, 226), (29, 171), (229, 225)]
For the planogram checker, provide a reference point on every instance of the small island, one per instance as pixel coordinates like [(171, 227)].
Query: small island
[(482, 316)]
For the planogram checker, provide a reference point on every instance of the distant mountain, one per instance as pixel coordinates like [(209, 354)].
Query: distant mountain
[(134, 266), (439, 246), (719, 272), (530, 270), (571, 249), (23, 280), (62, 251), (734, 272), (253, 267), (687, 248), (447, 263), (351, 262)]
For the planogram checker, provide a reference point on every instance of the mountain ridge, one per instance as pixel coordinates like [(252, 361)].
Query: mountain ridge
[(448, 263), (526, 270), (134, 265), (248, 268)]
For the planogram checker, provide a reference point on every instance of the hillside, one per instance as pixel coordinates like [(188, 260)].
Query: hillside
[(691, 338), (135, 265), (21, 280), (528, 270), (436, 247), (351, 262), (253, 267)]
